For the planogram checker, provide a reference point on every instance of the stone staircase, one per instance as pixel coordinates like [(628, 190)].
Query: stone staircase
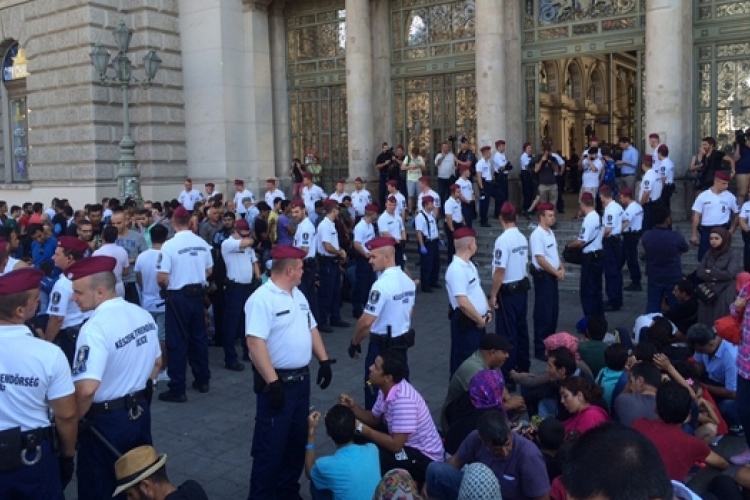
[(566, 231)]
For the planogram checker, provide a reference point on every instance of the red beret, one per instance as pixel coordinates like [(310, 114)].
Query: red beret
[(653, 136), (307, 175), (392, 199), (330, 203), (271, 181), (381, 242), (358, 179), (19, 281), (587, 197), (210, 184), (425, 179), (545, 206), (3, 246), (239, 182), (372, 208), (287, 252), (393, 183), (464, 232), (298, 204), (507, 208), (189, 180), (242, 225), (594, 139), (92, 265), (723, 175), (400, 146), (663, 150), (605, 190), (427, 199), (340, 181), (464, 168), (72, 243), (499, 142), (455, 187), (181, 212), (485, 148), (648, 159), (626, 192), (525, 145)]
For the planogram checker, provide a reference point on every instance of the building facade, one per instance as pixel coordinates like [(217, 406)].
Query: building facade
[(246, 86)]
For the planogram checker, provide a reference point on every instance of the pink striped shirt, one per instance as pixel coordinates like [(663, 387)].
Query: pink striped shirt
[(405, 412), (743, 351)]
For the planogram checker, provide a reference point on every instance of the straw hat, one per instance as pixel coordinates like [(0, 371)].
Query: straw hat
[(136, 465)]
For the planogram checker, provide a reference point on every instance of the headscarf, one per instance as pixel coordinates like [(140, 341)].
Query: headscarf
[(726, 242), (479, 483), (397, 484), (486, 390), (742, 279), (562, 339)]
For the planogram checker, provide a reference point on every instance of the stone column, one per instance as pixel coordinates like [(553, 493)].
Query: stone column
[(381, 77), (359, 89), (490, 72), (668, 74), (281, 139), (515, 127)]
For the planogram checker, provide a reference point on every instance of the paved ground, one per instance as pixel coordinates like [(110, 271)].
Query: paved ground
[(209, 438)]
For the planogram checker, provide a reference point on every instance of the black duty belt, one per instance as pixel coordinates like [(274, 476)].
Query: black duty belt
[(595, 255), (129, 401), (236, 284), (292, 376), (613, 240), (325, 258), (404, 341), (632, 234), (19, 448), (708, 228), (515, 287), (192, 290)]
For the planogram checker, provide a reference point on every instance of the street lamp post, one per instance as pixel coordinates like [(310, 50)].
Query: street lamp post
[(128, 177)]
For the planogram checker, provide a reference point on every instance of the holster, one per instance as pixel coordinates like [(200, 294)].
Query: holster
[(520, 286)]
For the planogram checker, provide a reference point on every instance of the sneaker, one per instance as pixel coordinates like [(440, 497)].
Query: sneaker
[(162, 377), (742, 458)]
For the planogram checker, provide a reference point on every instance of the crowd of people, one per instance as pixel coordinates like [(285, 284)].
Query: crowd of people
[(112, 301)]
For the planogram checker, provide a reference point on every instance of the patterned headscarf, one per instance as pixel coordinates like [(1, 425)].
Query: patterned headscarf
[(479, 483), (562, 339), (486, 390), (397, 484), (741, 280)]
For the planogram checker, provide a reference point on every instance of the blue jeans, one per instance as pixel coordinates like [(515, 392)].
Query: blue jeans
[(186, 346), (546, 310), (464, 342), (656, 290), (443, 481), (40, 481)]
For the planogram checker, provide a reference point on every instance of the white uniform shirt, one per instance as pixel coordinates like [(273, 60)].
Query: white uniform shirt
[(338, 197), (118, 347), (666, 169), (467, 189), (591, 177), (651, 181), (655, 157), (10, 264), (284, 321), (32, 372), (360, 199), (512, 254), (207, 196), (525, 160), (400, 203), (499, 161), (185, 257), (613, 215), (715, 209), (391, 300), (327, 234), (447, 167), (425, 223), (239, 261), (188, 200), (462, 280), (543, 242), (272, 195), (304, 237), (745, 210), (363, 233), (122, 262), (391, 224), (484, 168), (634, 215), (61, 303), (453, 208), (591, 231), (145, 265), (428, 193), (310, 195), (238, 197)]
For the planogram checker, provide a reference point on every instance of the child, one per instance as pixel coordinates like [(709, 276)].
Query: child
[(613, 377), (549, 437)]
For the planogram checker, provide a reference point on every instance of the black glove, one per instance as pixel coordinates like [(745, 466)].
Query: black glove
[(67, 467), (324, 373), (276, 395), (354, 349)]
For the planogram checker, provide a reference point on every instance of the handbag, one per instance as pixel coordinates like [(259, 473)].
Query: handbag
[(574, 255), (706, 293)]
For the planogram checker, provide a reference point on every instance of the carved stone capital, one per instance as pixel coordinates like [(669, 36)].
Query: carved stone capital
[(256, 5)]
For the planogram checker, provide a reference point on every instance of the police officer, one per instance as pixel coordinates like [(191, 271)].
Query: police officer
[(429, 242), (401, 207), (304, 239), (311, 192), (592, 266), (631, 234), (454, 217), (391, 225), (547, 271), (219, 274), (485, 184), (38, 379), (282, 335), (713, 207), (510, 287), (387, 315), (500, 168), (65, 318), (650, 192), (470, 311), (183, 269), (330, 258), (243, 273), (466, 157), (364, 231), (117, 355), (468, 207), (527, 176), (612, 243)]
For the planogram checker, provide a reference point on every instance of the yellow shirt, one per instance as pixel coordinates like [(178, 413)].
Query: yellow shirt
[(273, 220)]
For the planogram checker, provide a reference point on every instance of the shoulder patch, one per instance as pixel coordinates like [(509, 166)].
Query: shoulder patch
[(55, 298), (81, 358), (374, 297), (498, 253)]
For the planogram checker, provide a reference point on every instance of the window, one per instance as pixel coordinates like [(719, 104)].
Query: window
[(16, 123)]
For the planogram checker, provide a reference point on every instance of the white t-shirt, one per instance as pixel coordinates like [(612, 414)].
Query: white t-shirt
[(304, 237), (145, 265), (189, 199), (391, 300), (613, 215), (121, 256), (186, 258), (428, 193), (484, 168), (239, 261), (634, 215), (239, 196), (363, 233), (338, 197), (272, 195), (327, 233), (310, 195), (666, 169), (400, 203), (499, 161), (511, 253), (525, 160), (591, 173), (591, 231), (543, 242), (390, 224), (447, 167), (467, 189), (360, 199), (715, 209), (462, 280), (425, 223), (453, 208), (651, 181)]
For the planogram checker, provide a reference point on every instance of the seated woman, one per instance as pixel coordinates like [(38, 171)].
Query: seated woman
[(718, 271), (397, 483), (582, 401)]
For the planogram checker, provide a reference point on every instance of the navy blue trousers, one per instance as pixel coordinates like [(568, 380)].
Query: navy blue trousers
[(590, 285), (560, 190), (613, 272), (40, 481), (527, 189), (500, 193), (234, 322), (464, 343), (743, 404), (194, 348), (373, 351), (365, 277), (279, 441), (96, 463), (307, 287), (329, 300), (510, 321), (630, 256), (429, 264), (546, 310), (467, 210), (484, 203)]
